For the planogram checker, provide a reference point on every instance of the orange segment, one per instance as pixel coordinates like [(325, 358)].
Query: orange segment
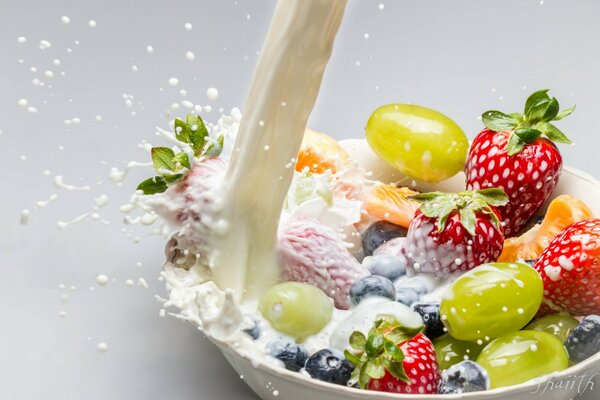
[(389, 203), (320, 152), (563, 211)]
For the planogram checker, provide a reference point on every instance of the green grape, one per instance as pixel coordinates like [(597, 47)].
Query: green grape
[(296, 309), (422, 143), (491, 300), (560, 325), (450, 351), (521, 356)]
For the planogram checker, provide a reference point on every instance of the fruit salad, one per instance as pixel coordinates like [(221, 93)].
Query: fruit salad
[(384, 287)]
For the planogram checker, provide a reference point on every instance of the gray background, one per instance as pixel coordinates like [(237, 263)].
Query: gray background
[(461, 57)]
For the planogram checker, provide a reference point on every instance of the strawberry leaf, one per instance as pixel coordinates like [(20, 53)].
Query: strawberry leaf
[(564, 113), (528, 135), (354, 359), (153, 185), (493, 196), (374, 368), (393, 351), (515, 145), (396, 369), (498, 121), (197, 132), (363, 377), (163, 159), (551, 110), (183, 160), (553, 133), (214, 148), (374, 344), (533, 102), (181, 131), (467, 219), (357, 340), (172, 178)]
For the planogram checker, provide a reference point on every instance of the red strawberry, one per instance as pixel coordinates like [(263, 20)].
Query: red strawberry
[(394, 359), (570, 269), (455, 231), (517, 153), (313, 253)]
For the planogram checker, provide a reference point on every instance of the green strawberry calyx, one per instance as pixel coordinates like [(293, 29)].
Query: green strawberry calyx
[(173, 165), (378, 352), (441, 205), (535, 122)]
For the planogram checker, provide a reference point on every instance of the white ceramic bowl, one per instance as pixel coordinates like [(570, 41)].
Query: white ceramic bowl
[(270, 382)]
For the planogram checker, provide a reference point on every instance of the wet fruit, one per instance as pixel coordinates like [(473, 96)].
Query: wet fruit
[(296, 309), (570, 269), (465, 377), (559, 325), (387, 265), (584, 340), (329, 365), (372, 286), (520, 356), (562, 212), (491, 300), (379, 233), (450, 351), (390, 203), (420, 142), (430, 312), (320, 152), (292, 355)]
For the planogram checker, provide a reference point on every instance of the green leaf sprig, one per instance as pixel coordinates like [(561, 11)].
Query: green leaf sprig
[(378, 352), (540, 110), (172, 166), (441, 205)]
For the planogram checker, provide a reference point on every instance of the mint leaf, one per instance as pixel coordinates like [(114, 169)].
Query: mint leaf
[(162, 159), (528, 135), (497, 121), (181, 131), (541, 96), (515, 145), (153, 185), (183, 160), (564, 113)]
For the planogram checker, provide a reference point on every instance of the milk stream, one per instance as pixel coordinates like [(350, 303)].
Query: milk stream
[(282, 94)]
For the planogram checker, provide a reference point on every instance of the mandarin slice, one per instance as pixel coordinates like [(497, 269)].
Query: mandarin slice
[(563, 211), (389, 203), (320, 152)]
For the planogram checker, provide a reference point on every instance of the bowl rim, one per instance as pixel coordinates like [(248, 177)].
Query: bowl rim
[(530, 385)]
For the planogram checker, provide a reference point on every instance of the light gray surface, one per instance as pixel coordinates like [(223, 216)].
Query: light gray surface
[(460, 57)]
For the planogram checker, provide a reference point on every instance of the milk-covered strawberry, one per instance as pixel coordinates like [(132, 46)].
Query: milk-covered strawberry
[(517, 152), (570, 269), (455, 231), (394, 358), (313, 253)]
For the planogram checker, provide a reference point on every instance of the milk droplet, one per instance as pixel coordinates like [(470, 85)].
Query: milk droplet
[(102, 279), (102, 347), (56, 61), (24, 217), (22, 102), (92, 23), (366, 36), (129, 282), (21, 39), (149, 49), (65, 20), (381, 6), (49, 74), (212, 94), (44, 44), (32, 109), (190, 56), (173, 81), (62, 314), (187, 26)]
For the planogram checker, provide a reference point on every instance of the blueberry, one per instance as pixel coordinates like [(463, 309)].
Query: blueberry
[(386, 265), (417, 283), (378, 233), (292, 355), (372, 286), (254, 330), (584, 341), (464, 377), (330, 366), (407, 296), (430, 312), (529, 262)]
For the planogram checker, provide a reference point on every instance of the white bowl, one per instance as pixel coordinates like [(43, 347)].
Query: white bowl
[(270, 382)]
